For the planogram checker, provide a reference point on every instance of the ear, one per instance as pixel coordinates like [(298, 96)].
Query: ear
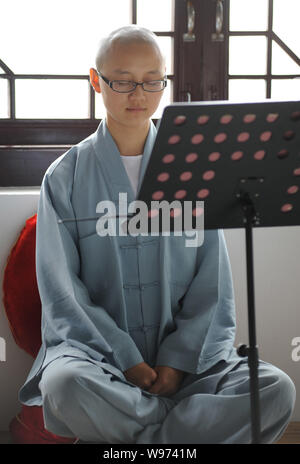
[(94, 80)]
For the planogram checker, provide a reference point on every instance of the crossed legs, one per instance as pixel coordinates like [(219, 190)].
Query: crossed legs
[(81, 399)]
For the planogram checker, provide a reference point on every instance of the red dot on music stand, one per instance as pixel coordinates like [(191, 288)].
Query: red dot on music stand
[(243, 137), (158, 195), (197, 138), (248, 118), (179, 120), (295, 116), (152, 213), (259, 155), (286, 208), (208, 175), (265, 136), (226, 119), (187, 175), (173, 139), (272, 117), (203, 193), (296, 172), (168, 158), (214, 156), (292, 189), (163, 177), (197, 211), (289, 135), (203, 119), (191, 157), (237, 155), (219, 138), (175, 212), (282, 154), (180, 194)]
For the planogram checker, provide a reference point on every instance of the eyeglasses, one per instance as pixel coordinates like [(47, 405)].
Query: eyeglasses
[(129, 86)]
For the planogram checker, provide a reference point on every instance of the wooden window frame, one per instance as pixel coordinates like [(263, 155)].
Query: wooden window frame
[(270, 35), (66, 123)]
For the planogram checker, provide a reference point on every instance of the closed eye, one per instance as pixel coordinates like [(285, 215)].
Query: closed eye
[(124, 82)]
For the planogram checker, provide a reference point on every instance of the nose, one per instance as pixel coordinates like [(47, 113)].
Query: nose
[(138, 91)]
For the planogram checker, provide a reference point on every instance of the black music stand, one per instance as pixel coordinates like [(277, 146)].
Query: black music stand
[(243, 161)]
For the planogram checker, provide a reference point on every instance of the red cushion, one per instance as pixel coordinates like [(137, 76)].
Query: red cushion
[(28, 428), (20, 291), (22, 305)]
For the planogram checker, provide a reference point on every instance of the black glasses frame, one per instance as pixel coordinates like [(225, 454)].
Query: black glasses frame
[(110, 83)]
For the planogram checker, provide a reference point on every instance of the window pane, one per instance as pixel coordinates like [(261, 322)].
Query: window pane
[(248, 15), (4, 110), (57, 37), (286, 14), (247, 55), (285, 89), (100, 111), (45, 98), (166, 44), (282, 63), (156, 15), (247, 89)]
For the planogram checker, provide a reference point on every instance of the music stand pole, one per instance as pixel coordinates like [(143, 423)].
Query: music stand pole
[(250, 217)]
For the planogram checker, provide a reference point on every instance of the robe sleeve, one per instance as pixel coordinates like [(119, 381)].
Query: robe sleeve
[(205, 324), (68, 314)]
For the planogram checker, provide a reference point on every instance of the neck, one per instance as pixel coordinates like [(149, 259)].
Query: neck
[(129, 140)]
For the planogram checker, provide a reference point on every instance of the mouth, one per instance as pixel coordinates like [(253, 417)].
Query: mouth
[(136, 109)]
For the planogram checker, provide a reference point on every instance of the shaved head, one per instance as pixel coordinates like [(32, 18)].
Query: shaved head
[(124, 36)]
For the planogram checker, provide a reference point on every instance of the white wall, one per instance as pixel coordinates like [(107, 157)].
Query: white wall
[(277, 294), (277, 287)]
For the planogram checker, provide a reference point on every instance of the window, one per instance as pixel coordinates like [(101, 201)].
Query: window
[(44, 69), (264, 50)]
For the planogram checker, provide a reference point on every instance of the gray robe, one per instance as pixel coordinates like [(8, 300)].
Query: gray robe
[(123, 300)]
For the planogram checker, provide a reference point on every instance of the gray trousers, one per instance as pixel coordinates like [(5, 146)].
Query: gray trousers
[(81, 399)]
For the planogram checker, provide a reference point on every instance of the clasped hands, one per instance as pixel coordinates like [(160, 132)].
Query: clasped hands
[(161, 380)]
